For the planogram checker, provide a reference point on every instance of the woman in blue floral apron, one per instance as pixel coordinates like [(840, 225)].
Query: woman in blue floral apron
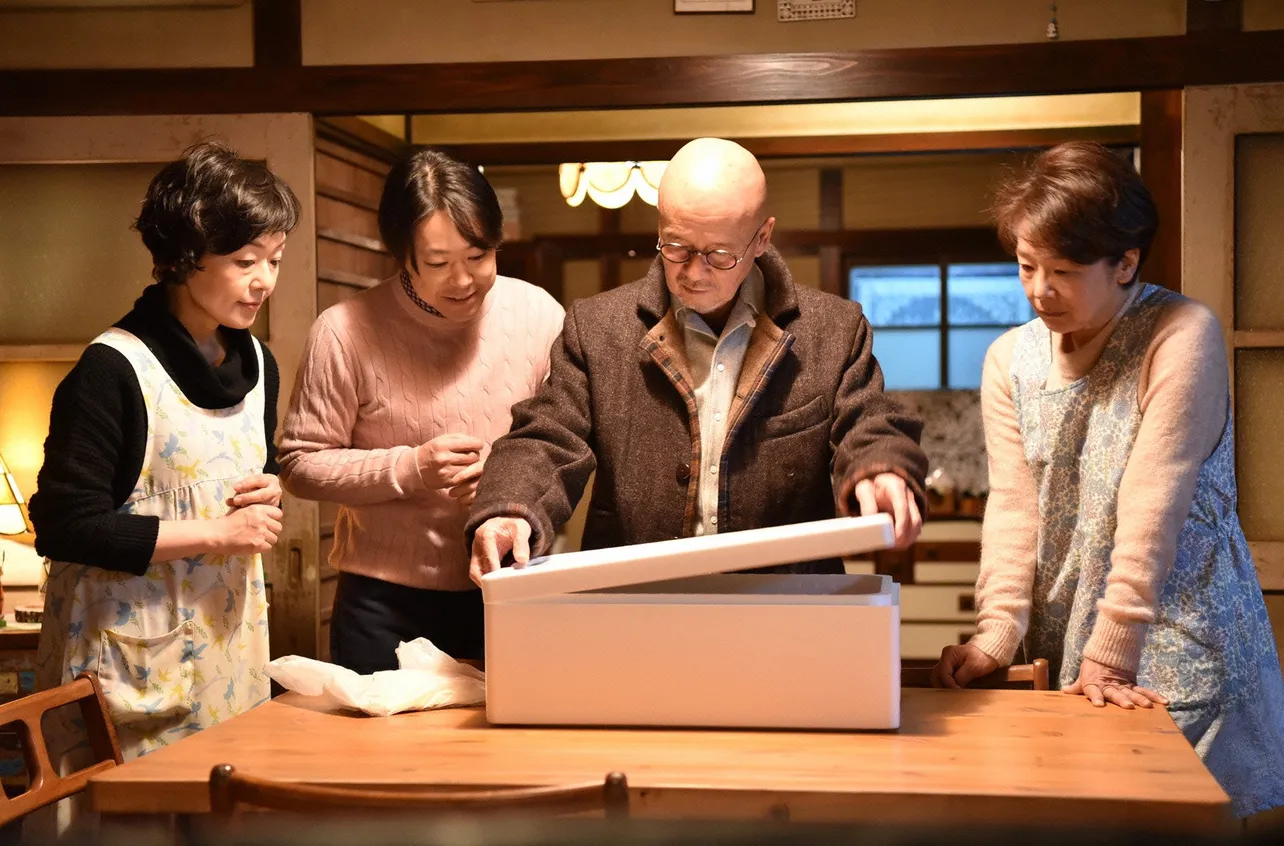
[(157, 494), (1111, 543)]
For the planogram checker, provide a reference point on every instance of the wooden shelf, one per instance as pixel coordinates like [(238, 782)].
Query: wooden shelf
[(343, 195), (40, 352), (359, 241), (1258, 338), (342, 277)]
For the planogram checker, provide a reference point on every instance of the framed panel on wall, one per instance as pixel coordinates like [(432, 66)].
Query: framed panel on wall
[(710, 7)]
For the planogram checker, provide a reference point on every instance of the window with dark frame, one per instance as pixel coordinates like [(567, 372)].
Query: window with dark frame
[(934, 322)]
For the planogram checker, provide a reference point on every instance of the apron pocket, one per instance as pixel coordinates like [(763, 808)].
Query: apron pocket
[(147, 681)]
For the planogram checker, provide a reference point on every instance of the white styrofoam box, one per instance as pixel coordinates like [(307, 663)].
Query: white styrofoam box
[(648, 635)]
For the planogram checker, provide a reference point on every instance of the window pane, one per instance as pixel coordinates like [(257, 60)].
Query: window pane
[(904, 295), (910, 358), (967, 355), (987, 293)]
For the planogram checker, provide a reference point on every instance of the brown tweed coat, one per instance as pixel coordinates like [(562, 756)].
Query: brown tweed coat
[(809, 418)]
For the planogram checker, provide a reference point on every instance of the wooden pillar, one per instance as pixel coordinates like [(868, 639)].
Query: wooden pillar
[(1221, 15), (278, 33), (1161, 123), (831, 220), (546, 268), (609, 261)]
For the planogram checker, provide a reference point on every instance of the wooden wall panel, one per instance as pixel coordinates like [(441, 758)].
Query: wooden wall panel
[(331, 293), (333, 255), (345, 217), (336, 173), (351, 169)]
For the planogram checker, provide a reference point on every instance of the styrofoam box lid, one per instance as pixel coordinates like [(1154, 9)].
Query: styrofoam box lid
[(700, 556)]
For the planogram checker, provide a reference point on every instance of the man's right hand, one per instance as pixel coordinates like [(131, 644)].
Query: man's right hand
[(449, 460), (495, 538)]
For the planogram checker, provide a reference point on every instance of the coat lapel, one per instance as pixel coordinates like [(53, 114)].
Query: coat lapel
[(664, 346), (768, 345)]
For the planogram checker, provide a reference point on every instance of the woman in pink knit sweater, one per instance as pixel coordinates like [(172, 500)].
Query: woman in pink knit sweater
[(1111, 544), (401, 391)]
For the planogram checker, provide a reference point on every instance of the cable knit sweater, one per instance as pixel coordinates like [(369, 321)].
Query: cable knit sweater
[(1181, 395), (380, 377)]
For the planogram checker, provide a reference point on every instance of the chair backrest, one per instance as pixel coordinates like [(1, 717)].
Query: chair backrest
[(1032, 676), (228, 789), (46, 785)]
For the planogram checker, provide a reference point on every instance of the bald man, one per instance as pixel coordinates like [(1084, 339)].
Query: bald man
[(713, 395)]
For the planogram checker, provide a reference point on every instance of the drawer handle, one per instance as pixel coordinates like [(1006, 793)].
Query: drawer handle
[(967, 602), (295, 562)]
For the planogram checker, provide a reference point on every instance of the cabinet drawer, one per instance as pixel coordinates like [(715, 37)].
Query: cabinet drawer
[(924, 641), (859, 568), (937, 603), (946, 572)]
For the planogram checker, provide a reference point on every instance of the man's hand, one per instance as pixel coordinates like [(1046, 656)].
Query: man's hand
[(960, 665), (887, 493), (1102, 684), (495, 538)]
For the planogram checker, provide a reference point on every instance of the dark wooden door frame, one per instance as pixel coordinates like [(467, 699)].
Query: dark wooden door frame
[(1211, 57), (795, 146)]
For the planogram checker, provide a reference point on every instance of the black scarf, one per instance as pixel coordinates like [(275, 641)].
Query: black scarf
[(202, 383)]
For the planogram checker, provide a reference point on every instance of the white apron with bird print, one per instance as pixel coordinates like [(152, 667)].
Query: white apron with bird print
[(185, 645)]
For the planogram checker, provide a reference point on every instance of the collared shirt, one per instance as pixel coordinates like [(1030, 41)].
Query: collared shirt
[(715, 362)]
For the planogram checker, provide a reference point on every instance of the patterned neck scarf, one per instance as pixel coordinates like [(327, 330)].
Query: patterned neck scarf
[(409, 288)]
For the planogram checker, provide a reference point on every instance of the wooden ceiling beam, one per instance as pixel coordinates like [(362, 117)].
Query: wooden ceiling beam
[(1060, 67)]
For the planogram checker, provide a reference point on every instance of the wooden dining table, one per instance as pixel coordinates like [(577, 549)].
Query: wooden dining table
[(960, 757)]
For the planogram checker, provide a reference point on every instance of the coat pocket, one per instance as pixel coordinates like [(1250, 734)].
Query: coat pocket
[(794, 420), (147, 681)]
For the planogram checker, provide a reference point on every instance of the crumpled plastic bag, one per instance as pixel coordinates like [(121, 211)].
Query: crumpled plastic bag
[(428, 678)]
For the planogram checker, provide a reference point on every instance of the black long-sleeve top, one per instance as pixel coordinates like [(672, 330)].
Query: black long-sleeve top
[(98, 435)]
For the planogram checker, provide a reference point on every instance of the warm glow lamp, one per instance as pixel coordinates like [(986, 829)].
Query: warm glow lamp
[(611, 184), (13, 513)]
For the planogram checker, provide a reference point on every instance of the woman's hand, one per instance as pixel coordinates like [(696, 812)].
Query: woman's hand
[(247, 530), (1102, 684), (449, 461), (465, 488), (960, 665), (256, 489)]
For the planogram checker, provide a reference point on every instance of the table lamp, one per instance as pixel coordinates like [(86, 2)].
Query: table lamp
[(13, 513)]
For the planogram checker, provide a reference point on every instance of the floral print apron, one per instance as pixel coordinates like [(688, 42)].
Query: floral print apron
[(1210, 650), (186, 644)]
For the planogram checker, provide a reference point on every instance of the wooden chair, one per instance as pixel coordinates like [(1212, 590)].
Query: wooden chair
[(228, 789), (1032, 676), (46, 785)]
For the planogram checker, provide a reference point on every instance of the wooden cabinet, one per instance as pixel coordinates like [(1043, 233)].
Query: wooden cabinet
[(938, 581)]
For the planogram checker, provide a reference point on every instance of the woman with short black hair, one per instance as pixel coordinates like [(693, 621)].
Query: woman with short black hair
[(1111, 543), (156, 496), (401, 391)]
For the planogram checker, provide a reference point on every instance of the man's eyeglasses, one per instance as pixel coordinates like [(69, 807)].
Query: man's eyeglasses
[(717, 259)]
